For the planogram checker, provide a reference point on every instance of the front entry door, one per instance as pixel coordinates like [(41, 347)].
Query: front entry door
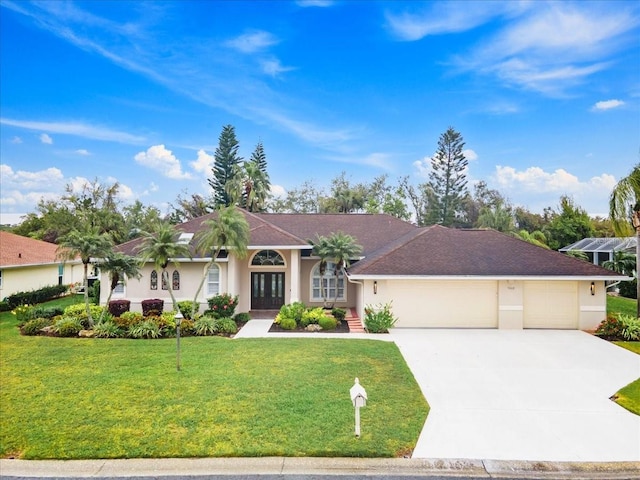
[(267, 290)]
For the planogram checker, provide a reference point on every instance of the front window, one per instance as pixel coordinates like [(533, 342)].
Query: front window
[(175, 280), (154, 280), (213, 280), (267, 257), (325, 286)]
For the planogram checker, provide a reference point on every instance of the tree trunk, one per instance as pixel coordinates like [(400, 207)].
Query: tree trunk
[(195, 307), (86, 294), (165, 275)]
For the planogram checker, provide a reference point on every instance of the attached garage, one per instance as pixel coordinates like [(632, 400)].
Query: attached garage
[(551, 304), (443, 304)]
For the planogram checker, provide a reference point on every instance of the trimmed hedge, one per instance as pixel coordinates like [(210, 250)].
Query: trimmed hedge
[(118, 307), (32, 297), (152, 306)]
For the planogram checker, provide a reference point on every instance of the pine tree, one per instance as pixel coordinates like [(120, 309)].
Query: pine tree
[(447, 178), (226, 158)]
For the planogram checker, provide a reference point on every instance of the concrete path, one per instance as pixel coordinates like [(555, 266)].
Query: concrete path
[(526, 395)]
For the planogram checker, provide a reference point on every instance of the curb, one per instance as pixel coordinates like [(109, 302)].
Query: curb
[(283, 467)]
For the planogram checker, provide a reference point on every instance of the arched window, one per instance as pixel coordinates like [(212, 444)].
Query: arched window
[(325, 286), (267, 257), (213, 280), (175, 280), (153, 284)]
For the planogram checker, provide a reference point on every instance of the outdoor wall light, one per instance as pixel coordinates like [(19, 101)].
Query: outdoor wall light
[(375, 287), (593, 288)]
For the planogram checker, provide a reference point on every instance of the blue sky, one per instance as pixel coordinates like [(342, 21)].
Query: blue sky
[(545, 94)]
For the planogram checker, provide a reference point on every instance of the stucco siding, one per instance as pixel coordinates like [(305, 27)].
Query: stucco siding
[(24, 279)]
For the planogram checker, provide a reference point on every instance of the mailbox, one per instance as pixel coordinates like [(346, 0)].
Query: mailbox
[(358, 394)]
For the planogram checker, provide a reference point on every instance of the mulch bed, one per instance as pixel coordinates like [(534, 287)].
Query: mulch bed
[(342, 327)]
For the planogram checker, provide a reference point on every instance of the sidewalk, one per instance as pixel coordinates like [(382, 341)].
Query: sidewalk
[(318, 468)]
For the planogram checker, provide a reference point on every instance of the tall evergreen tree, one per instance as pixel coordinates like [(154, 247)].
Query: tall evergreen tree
[(226, 158), (448, 179)]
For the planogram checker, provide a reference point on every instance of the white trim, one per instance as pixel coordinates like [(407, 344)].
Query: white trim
[(279, 247), (593, 308), (511, 308), (487, 277)]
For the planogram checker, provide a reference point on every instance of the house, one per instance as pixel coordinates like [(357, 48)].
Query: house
[(600, 250), (28, 264), (435, 276)]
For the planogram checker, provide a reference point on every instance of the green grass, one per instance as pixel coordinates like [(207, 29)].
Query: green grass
[(624, 305), (629, 396), (71, 398)]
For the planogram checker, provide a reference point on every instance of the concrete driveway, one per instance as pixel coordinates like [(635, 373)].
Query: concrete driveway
[(522, 395)]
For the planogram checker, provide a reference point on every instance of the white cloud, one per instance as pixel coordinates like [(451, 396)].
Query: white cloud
[(538, 186), (26, 180), (46, 139), (252, 42), (315, 3), (607, 105), (83, 152), (162, 160), (273, 67), (204, 162), (278, 191), (16, 139), (22, 189), (470, 154), (77, 129)]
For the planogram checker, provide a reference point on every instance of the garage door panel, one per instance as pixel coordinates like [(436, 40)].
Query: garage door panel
[(445, 304), (551, 304)]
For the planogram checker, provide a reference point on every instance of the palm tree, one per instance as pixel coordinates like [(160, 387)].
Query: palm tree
[(536, 238), (162, 247), (338, 248), (624, 212), (119, 267), (228, 230), (249, 186), (87, 245), (497, 217), (321, 249), (622, 262)]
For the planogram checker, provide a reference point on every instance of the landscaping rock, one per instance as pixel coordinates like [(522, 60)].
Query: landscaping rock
[(86, 333), (313, 327)]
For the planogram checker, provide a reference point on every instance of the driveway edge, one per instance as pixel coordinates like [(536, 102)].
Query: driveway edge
[(283, 467)]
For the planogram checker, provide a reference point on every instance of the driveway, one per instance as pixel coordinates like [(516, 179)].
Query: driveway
[(522, 395)]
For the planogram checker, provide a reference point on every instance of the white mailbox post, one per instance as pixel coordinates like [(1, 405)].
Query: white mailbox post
[(359, 399)]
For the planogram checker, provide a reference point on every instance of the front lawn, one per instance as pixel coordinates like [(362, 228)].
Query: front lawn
[(71, 398), (629, 396), (627, 306)]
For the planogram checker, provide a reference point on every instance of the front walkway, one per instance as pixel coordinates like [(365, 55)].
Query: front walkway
[(522, 395)]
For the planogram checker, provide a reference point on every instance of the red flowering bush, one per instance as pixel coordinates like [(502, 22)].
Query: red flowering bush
[(223, 305)]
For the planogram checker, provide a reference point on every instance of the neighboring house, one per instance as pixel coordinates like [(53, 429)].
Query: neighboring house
[(28, 264), (435, 276), (600, 250)]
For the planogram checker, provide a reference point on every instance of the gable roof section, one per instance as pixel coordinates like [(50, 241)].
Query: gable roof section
[(19, 251), (371, 231), (290, 230), (438, 251)]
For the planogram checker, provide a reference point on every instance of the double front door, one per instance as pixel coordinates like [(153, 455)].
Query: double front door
[(267, 290)]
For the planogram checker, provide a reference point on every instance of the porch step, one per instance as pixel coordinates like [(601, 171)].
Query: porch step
[(352, 319)]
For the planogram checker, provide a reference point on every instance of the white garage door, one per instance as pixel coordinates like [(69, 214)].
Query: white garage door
[(551, 304), (445, 304)]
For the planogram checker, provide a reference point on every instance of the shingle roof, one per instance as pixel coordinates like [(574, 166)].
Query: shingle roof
[(16, 250), (441, 251), (295, 230)]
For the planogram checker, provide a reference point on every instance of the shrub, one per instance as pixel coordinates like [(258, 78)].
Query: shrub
[(152, 306), (127, 319), (328, 323), (33, 327), (339, 314), (118, 307), (167, 323), (293, 311), (225, 325), (205, 325), (186, 309), (94, 292), (313, 315), (4, 306), (379, 319), (630, 327), (242, 317), (287, 323), (107, 329), (47, 312), (223, 305), (186, 327), (79, 310), (145, 329), (23, 313), (67, 326), (36, 296), (610, 328), (629, 289)]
